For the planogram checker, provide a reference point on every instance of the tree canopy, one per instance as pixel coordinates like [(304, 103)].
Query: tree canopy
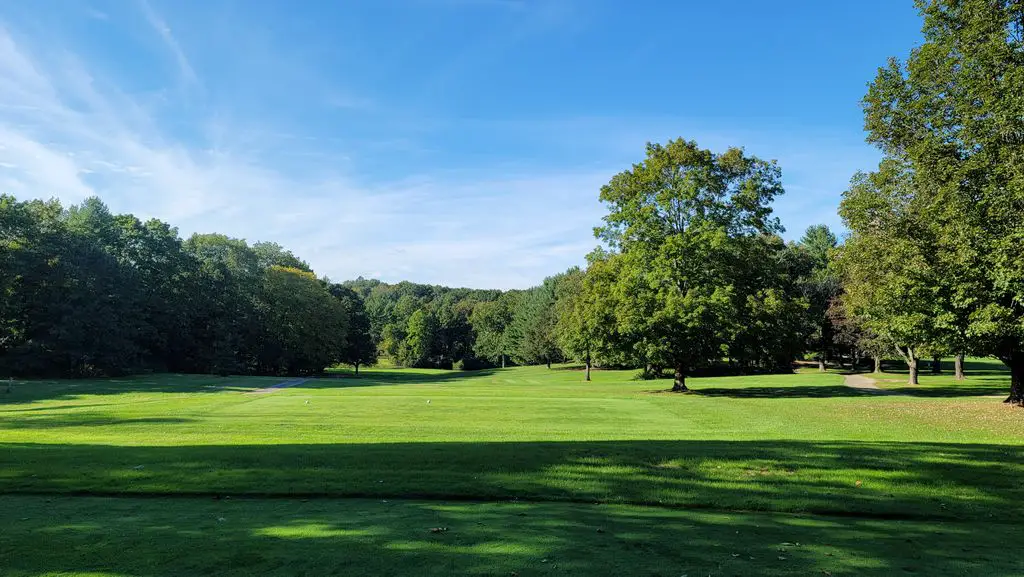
[(684, 225), (87, 292), (953, 112)]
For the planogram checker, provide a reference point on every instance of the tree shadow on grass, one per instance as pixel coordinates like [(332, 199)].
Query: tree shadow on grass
[(162, 537), (830, 391), (799, 392), (30, 391), (573, 367), (973, 368), (880, 479), (376, 378), (68, 389), (51, 421)]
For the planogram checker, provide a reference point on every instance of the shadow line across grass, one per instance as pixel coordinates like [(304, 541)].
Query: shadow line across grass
[(32, 391), (889, 480), (832, 391)]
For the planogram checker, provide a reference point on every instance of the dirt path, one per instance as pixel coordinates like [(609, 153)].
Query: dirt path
[(279, 386), (863, 383)]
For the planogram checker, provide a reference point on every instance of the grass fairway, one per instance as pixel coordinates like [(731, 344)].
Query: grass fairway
[(531, 471)]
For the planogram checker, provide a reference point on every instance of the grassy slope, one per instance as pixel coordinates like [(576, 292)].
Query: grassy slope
[(795, 443)]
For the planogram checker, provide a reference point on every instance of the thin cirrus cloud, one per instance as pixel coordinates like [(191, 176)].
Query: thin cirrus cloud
[(161, 27), (68, 134)]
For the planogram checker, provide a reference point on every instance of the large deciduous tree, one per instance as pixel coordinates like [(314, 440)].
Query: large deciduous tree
[(681, 222), (770, 310), (955, 110), (226, 328)]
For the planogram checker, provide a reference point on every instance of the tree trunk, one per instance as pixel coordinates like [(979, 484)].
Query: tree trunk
[(503, 360), (680, 380), (878, 364), (1016, 364), (587, 377), (958, 367), (910, 357), (821, 364), (549, 362), (936, 366), (356, 365)]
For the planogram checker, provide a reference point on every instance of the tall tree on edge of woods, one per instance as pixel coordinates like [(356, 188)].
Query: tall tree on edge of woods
[(955, 111)]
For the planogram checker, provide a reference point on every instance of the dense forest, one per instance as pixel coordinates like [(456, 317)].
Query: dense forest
[(86, 292), (690, 273)]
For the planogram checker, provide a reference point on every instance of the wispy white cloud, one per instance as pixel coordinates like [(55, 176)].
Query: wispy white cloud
[(506, 231), (164, 31), (68, 134), (816, 162), (97, 14)]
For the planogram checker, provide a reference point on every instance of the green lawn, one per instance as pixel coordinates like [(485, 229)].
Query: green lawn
[(985, 376), (532, 471)]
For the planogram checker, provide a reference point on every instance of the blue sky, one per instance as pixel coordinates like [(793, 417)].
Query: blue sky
[(458, 142)]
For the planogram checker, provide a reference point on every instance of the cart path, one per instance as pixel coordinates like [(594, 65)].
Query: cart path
[(279, 386), (864, 383)]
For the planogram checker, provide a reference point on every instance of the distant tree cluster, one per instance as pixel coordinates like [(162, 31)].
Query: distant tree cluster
[(86, 292), (418, 325)]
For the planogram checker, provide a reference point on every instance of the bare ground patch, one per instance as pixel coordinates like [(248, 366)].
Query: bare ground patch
[(864, 383)]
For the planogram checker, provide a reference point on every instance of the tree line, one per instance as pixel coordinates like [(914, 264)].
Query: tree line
[(89, 293)]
